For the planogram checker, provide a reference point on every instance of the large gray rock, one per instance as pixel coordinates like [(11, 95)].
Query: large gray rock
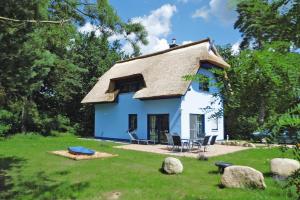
[(242, 177), (172, 165), (284, 167)]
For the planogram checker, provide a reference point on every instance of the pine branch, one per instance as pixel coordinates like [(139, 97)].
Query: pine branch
[(34, 21)]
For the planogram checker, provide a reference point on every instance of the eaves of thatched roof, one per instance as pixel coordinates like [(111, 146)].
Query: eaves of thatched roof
[(162, 71)]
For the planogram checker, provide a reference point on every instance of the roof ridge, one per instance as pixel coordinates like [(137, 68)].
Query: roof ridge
[(166, 50)]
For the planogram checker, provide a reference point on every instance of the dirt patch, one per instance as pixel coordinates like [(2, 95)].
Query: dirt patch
[(112, 195), (66, 154)]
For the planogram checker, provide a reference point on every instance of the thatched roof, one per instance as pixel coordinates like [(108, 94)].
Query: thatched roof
[(162, 72)]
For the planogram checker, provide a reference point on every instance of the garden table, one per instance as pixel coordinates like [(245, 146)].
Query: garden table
[(222, 165)]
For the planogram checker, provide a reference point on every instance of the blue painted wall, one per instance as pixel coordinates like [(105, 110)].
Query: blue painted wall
[(111, 119)]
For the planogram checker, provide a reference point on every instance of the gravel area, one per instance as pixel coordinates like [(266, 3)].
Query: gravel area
[(214, 150)]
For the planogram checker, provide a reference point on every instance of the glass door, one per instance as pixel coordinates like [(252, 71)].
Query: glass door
[(197, 129), (158, 125)]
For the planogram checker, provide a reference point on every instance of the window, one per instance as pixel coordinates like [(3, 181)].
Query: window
[(197, 126), (215, 124), (129, 84), (204, 85), (132, 122)]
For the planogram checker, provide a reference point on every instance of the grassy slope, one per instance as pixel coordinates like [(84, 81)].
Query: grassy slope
[(27, 171)]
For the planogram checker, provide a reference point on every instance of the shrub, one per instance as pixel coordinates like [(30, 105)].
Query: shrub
[(6, 119)]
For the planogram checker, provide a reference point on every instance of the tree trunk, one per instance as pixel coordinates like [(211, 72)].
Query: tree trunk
[(262, 111), (24, 116)]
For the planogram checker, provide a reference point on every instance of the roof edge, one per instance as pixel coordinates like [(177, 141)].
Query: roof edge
[(165, 51)]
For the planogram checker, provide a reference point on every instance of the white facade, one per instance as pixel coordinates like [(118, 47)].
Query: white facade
[(196, 101)]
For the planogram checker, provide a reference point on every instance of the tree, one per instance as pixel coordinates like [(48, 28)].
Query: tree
[(264, 21), (260, 84), (46, 68), (96, 55)]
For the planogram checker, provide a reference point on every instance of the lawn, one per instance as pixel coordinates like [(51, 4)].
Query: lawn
[(27, 171)]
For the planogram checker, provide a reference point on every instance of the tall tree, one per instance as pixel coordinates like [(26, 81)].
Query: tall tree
[(263, 21), (47, 67), (263, 83)]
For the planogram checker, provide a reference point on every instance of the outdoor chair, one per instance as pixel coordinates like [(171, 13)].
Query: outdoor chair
[(170, 141), (134, 138), (204, 143), (179, 143), (213, 140)]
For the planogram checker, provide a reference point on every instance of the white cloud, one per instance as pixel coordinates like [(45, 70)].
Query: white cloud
[(186, 42), (202, 12), (88, 27), (158, 23), (235, 49), (220, 9), (158, 26), (116, 37)]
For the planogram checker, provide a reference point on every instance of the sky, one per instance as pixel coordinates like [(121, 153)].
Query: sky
[(185, 20)]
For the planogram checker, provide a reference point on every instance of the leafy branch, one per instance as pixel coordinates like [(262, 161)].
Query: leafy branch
[(33, 20)]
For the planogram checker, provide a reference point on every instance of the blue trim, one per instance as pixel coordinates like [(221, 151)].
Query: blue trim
[(203, 122), (113, 139)]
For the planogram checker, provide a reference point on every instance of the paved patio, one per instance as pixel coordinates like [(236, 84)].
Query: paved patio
[(214, 150)]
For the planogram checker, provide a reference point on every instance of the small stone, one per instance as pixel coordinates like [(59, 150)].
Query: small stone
[(245, 144), (203, 157), (172, 166), (251, 145)]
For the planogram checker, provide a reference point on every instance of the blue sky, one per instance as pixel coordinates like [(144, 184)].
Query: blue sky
[(185, 20)]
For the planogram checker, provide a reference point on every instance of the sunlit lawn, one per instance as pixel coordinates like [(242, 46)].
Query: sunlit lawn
[(27, 171)]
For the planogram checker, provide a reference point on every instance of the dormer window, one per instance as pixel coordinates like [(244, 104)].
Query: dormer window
[(127, 84), (204, 85), (130, 86)]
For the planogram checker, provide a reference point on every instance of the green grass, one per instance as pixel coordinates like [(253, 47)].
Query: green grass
[(27, 171)]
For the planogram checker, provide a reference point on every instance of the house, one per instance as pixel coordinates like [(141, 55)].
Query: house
[(148, 93)]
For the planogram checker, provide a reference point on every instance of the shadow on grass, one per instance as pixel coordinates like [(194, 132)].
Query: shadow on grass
[(36, 186), (216, 172), (268, 174), (161, 170), (41, 186), (6, 183)]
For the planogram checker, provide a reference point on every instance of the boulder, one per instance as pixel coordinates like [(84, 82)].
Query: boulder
[(172, 166), (284, 167), (242, 177)]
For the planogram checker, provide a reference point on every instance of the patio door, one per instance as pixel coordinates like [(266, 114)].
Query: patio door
[(197, 129), (158, 125)]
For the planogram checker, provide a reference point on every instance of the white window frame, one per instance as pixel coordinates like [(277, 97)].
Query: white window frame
[(215, 124)]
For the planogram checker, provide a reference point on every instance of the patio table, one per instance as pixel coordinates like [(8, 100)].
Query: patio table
[(191, 141)]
